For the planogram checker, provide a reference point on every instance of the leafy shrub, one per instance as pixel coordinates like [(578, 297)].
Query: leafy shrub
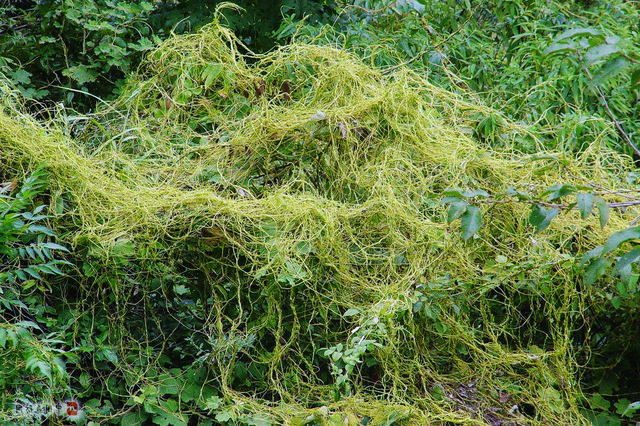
[(33, 373)]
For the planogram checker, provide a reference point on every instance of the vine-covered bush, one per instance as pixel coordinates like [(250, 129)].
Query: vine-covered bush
[(262, 240)]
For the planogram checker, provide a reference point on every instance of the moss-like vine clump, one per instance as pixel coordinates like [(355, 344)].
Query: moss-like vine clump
[(287, 215)]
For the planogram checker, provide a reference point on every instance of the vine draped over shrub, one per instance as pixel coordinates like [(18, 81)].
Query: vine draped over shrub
[(261, 240)]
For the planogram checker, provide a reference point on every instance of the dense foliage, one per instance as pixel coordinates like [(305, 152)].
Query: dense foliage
[(425, 213), (76, 50), (558, 67)]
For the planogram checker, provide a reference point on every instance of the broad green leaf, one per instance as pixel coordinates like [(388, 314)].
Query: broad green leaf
[(224, 416), (609, 70), (595, 270), (471, 222), (626, 260), (456, 210), (599, 52), (559, 191), (476, 193), (603, 209), (597, 401), (454, 192), (559, 47), (351, 312), (620, 237), (585, 32), (109, 354), (540, 217), (585, 204), (169, 419), (81, 73)]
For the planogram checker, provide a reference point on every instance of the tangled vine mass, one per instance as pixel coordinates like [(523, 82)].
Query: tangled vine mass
[(263, 241)]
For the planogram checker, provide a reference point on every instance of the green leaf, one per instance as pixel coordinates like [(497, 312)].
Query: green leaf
[(108, 354), (620, 237), (597, 401), (540, 217), (40, 230), (595, 270), (351, 312), (631, 409), (585, 204), (471, 222), (599, 52), (559, 47), (224, 416), (54, 246), (519, 194), (211, 73), (559, 191), (635, 79), (33, 272), (626, 260), (590, 255), (456, 210), (133, 419), (609, 70), (81, 73), (585, 32), (603, 210), (454, 192), (476, 193)]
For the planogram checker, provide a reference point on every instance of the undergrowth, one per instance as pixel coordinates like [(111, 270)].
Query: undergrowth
[(265, 244)]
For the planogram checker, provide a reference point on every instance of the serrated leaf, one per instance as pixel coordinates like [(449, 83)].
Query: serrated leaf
[(169, 419), (471, 222), (81, 73), (620, 237), (603, 210), (595, 270), (456, 210), (599, 52), (585, 204), (223, 416), (133, 419), (597, 401)]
